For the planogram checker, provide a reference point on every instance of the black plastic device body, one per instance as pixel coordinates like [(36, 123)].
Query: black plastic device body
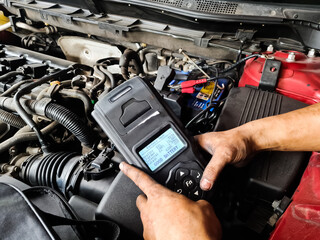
[(148, 134)]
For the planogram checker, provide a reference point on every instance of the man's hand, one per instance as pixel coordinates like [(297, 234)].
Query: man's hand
[(168, 215), (293, 131), (229, 147)]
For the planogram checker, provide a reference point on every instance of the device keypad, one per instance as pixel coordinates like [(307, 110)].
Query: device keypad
[(181, 173), (195, 194), (196, 175), (179, 189), (187, 183)]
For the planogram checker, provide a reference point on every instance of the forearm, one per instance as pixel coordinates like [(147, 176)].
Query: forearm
[(294, 131)]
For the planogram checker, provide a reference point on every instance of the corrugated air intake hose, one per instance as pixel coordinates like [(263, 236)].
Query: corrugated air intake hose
[(71, 122), (11, 119)]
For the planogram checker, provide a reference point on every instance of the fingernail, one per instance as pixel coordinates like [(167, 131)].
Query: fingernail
[(121, 166), (205, 184)]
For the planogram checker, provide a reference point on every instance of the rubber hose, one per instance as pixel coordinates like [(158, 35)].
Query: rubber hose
[(14, 88), (109, 76), (22, 112), (239, 62), (25, 137), (102, 78), (125, 59), (9, 75), (102, 66), (11, 119), (71, 122)]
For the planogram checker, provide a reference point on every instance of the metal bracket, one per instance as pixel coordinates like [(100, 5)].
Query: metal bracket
[(279, 208), (13, 20), (21, 17), (269, 77)]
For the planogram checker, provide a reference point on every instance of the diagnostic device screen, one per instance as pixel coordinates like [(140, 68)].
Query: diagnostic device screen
[(162, 149)]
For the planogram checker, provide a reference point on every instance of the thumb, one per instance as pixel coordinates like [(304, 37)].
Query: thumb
[(213, 169), (141, 202), (206, 141)]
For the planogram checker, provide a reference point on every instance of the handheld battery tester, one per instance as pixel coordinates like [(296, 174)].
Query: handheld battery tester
[(148, 134)]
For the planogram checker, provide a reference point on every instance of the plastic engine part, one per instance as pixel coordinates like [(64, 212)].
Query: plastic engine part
[(301, 220), (271, 175), (299, 76)]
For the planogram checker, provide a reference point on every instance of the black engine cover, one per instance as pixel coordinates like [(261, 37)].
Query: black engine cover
[(270, 175)]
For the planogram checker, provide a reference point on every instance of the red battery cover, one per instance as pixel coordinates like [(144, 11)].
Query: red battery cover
[(298, 79)]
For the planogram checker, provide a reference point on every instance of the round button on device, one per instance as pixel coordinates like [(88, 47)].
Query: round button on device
[(181, 173), (179, 189), (196, 194), (196, 175), (189, 183)]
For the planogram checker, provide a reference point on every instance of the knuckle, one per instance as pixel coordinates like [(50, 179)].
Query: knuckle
[(228, 153), (207, 141)]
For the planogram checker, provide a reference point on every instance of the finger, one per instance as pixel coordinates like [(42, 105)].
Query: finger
[(205, 141), (141, 202), (211, 172), (141, 179)]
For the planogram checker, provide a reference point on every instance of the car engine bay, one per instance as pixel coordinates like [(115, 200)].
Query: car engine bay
[(59, 61)]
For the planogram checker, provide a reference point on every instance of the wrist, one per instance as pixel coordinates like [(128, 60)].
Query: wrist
[(252, 137), (257, 137)]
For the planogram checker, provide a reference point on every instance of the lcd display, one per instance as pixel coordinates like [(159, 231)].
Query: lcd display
[(162, 149)]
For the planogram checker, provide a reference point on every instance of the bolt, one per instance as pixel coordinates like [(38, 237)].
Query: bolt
[(291, 57), (311, 53), (270, 48), (276, 204)]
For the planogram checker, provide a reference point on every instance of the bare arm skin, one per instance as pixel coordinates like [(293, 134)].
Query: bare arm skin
[(294, 131), (168, 215)]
